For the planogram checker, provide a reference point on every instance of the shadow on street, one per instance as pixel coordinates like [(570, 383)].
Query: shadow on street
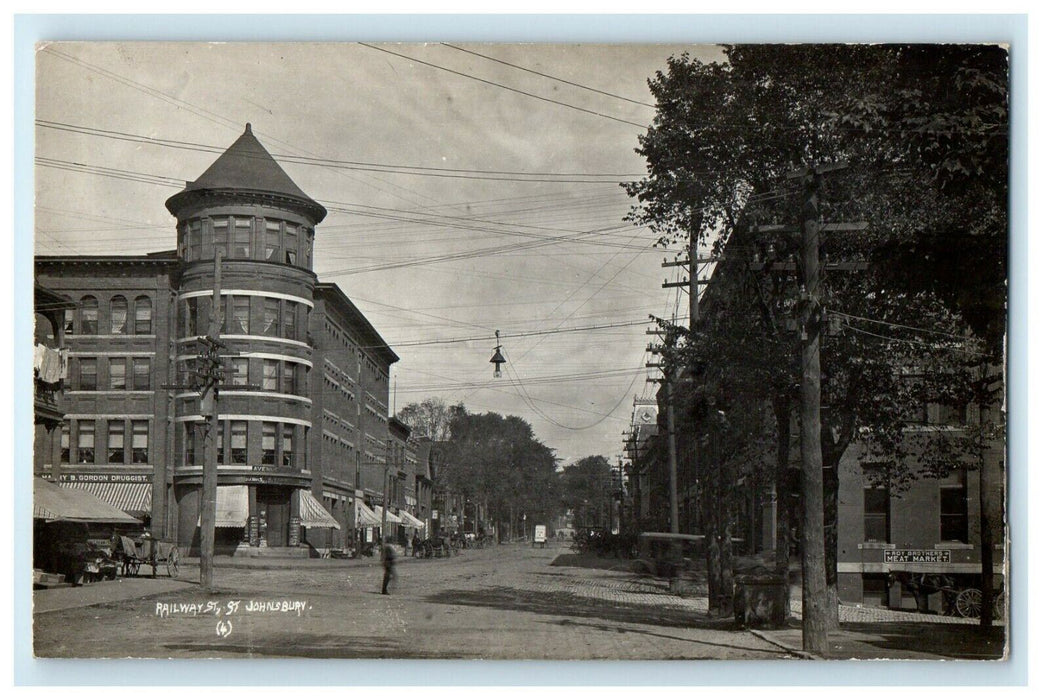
[(571, 605)]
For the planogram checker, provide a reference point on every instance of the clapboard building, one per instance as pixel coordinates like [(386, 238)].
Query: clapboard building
[(303, 424)]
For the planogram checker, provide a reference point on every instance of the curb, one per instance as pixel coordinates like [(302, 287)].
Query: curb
[(790, 650)]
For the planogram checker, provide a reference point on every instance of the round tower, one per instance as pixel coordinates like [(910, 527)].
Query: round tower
[(247, 209)]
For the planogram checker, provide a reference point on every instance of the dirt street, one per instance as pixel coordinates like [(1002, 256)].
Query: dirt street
[(497, 603)]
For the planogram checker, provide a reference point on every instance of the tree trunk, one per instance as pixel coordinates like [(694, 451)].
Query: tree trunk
[(784, 499)]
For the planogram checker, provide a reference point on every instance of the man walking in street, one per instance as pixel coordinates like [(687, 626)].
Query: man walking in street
[(388, 572)]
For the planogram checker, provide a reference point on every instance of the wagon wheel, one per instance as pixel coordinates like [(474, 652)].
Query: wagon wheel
[(999, 605), (173, 562), (967, 603), (131, 567)]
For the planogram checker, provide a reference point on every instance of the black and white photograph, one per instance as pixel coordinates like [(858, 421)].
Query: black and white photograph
[(520, 351)]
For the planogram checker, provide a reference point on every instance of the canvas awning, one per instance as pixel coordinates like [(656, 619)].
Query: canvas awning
[(366, 517), (312, 513), (392, 517), (52, 502), (411, 521), (231, 506), (136, 499)]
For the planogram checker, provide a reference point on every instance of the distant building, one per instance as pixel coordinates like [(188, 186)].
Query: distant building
[(303, 427)]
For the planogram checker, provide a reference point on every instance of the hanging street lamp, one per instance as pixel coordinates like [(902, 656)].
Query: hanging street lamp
[(497, 358)]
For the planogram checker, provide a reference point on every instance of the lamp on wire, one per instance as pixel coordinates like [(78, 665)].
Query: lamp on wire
[(497, 358)]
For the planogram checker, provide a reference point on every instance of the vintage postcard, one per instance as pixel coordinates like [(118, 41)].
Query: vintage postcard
[(520, 351)]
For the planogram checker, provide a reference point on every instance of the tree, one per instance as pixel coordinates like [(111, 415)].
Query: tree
[(587, 490), (923, 131), (429, 418)]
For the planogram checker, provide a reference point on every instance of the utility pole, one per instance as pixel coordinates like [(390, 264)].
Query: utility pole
[(814, 576), (209, 407), (385, 491), (668, 380)]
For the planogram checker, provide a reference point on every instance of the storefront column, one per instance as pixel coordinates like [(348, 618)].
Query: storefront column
[(253, 518), (295, 520)]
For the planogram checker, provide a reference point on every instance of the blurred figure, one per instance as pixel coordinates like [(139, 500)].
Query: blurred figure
[(388, 571)]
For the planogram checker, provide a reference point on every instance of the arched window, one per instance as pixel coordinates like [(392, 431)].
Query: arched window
[(118, 316), (143, 316), (89, 316)]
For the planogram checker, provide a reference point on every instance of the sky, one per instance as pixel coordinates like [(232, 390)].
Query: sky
[(467, 193)]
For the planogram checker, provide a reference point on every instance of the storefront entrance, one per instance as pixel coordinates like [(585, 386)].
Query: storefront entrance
[(274, 515)]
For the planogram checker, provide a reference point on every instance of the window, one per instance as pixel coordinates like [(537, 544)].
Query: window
[(291, 245), (88, 374), (269, 375), (239, 374), (241, 314), (308, 258), (67, 321), (288, 319), (270, 316), (89, 316), (220, 446), (287, 378), (220, 231), (287, 445), (189, 316), (241, 237), (954, 508), (238, 442), (193, 237), (876, 514), (140, 369), (85, 442), (118, 315), (189, 444), (140, 442), (143, 316), (64, 445), (116, 442), (953, 414), (273, 240), (269, 443), (117, 373)]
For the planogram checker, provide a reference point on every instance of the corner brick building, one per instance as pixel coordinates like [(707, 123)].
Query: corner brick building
[(303, 427)]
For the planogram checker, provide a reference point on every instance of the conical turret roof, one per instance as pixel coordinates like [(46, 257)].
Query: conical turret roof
[(246, 166)]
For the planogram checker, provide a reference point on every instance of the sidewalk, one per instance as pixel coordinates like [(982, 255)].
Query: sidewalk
[(52, 599)]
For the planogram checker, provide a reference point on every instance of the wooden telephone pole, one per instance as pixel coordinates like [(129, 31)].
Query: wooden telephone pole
[(668, 381), (209, 408)]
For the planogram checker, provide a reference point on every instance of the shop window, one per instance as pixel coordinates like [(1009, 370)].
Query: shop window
[(140, 369), (954, 508), (241, 315), (241, 237), (116, 442), (269, 375), (117, 373), (239, 374), (67, 321), (140, 442), (64, 444), (270, 316), (287, 445), (85, 442), (143, 316), (238, 442), (89, 316), (269, 444), (88, 374)]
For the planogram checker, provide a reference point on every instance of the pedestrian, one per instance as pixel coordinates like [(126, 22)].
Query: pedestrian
[(388, 571)]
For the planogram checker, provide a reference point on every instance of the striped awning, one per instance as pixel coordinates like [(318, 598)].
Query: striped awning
[(411, 521), (52, 502), (133, 498), (392, 517), (312, 513), (366, 517), (231, 506)]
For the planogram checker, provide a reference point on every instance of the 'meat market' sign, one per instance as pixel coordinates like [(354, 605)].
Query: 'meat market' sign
[(917, 556)]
